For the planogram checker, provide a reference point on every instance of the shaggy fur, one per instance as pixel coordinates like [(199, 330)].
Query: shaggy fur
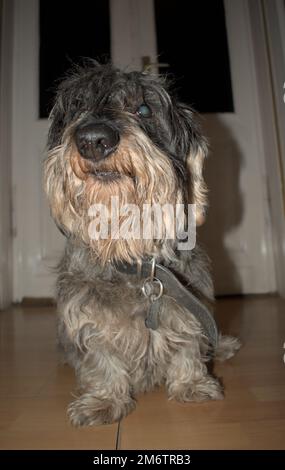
[(157, 158)]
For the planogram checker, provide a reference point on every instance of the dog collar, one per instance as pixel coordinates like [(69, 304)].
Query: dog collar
[(159, 281)]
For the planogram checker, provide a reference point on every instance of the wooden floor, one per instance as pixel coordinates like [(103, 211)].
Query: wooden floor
[(35, 390)]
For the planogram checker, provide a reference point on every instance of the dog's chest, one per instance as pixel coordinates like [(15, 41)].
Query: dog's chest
[(131, 335)]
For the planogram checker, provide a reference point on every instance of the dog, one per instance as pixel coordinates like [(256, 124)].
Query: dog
[(123, 135)]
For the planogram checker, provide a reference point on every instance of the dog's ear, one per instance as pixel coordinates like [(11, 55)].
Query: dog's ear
[(195, 149), (56, 119), (198, 189)]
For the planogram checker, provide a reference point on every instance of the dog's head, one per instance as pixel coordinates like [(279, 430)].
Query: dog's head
[(120, 134)]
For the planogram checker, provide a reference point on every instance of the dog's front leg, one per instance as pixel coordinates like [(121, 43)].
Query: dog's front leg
[(188, 378), (105, 387)]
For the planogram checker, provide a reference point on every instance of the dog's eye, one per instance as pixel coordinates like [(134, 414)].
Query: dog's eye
[(144, 111)]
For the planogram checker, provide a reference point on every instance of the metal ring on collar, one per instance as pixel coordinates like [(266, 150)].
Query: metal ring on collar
[(152, 282)]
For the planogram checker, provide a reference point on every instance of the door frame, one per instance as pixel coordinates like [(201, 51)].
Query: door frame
[(129, 41), (6, 240), (267, 30)]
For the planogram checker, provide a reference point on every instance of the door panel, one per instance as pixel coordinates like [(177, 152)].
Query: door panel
[(215, 69), (242, 254), (37, 242)]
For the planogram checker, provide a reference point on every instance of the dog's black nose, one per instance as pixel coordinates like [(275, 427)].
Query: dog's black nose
[(96, 140)]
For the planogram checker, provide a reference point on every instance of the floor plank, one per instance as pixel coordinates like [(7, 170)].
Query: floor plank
[(35, 389), (252, 415)]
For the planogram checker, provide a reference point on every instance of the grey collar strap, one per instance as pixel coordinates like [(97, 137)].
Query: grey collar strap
[(169, 285)]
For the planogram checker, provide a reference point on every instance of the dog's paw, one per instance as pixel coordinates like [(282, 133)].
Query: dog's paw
[(88, 410), (206, 389), (227, 347)]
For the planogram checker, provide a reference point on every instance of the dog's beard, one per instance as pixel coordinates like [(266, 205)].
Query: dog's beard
[(136, 173)]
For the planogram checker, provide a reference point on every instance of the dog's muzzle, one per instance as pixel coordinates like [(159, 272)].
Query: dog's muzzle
[(95, 141)]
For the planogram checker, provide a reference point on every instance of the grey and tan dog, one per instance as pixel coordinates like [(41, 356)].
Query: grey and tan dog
[(122, 134)]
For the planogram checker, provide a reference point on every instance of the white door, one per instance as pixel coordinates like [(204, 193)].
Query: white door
[(238, 230), (237, 233), (37, 242)]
